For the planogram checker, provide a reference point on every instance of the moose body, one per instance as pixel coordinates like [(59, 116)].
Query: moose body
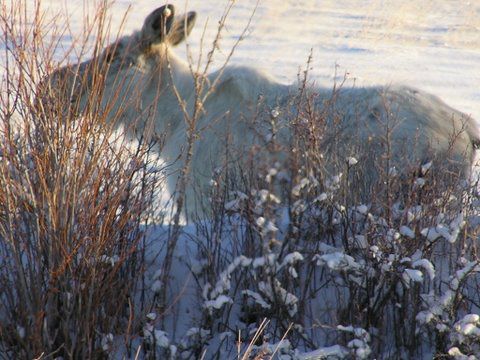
[(148, 89)]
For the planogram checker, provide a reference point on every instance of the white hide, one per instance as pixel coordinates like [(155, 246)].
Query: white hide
[(140, 70)]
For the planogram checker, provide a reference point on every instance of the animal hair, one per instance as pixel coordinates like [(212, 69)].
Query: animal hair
[(145, 78)]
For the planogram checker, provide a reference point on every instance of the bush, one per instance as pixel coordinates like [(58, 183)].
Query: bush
[(306, 258), (74, 199), (395, 276)]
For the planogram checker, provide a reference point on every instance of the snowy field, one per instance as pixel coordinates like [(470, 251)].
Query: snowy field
[(430, 44)]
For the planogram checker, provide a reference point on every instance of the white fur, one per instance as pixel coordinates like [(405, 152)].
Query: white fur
[(144, 68)]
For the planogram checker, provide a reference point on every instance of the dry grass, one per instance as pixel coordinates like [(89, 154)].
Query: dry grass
[(72, 208)]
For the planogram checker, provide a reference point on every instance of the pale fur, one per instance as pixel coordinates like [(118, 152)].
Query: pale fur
[(144, 67)]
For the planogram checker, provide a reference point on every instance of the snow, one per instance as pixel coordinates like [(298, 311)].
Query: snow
[(426, 167), (362, 209), (434, 233), (321, 197), (337, 261), (471, 318), (260, 221), (334, 352), (448, 232), (292, 258), (155, 336), (431, 44), (21, 331), (218, 302), (352, 161), (458, 355), (258, 298), (264, 261), (427, 266), (110, 260), (412, 275), (151, 316), (419, 183), (156, 286), (303, 183), (406, 231), (107, 341), (277, 292)]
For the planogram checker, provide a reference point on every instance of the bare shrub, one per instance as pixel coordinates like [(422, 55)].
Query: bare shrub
[(393, 274), (73, 204), (306, 257)]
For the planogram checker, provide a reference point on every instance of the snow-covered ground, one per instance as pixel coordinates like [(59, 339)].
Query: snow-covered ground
[(430, 44)]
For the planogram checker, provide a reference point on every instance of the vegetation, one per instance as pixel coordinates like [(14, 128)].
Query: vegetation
[(295, 261)]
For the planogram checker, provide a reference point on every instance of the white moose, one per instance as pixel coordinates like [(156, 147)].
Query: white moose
[(150, 90)]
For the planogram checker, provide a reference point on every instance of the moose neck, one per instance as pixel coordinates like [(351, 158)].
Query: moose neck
[(177, 84)]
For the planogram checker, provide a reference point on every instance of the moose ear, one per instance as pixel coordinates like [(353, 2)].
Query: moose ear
[(181, 28), (158, 24)]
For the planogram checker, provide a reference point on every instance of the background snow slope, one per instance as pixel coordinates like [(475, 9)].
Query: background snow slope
[(430, 44)]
